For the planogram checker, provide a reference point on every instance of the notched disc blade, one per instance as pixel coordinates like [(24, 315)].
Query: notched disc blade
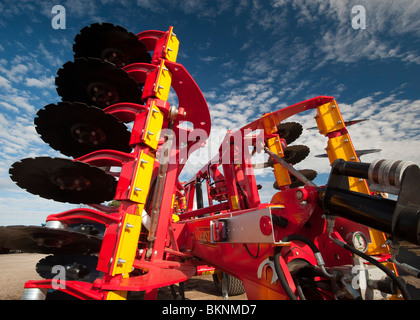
[(289, 131), (36, 239), (308, 173), (76, 129), (110, 43), (96, 82), (295, 154), (76, 267), (63, 180)]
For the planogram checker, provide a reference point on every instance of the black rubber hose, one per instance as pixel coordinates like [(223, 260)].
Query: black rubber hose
[(281, 276), (388, 272), (298, 237), (276, 257)]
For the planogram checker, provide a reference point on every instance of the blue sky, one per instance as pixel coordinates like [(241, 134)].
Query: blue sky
[(248, 57)]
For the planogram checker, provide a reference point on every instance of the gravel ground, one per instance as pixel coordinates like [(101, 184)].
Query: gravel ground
[(17, 268)]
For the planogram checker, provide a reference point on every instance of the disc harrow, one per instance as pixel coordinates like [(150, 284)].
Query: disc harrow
[(96, 82), (303, 244), (76, 129), (63, 180)]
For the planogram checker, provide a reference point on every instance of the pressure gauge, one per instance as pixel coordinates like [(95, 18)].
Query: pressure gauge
[(359, 241)]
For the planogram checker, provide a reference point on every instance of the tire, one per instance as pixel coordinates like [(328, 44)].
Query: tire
[(234, 285)]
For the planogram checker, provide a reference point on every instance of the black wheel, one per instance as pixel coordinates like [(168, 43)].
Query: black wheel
[(234, 285)]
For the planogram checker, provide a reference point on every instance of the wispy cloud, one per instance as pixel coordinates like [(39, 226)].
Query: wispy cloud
[(45, 82)]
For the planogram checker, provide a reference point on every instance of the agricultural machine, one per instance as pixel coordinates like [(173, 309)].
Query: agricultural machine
[(128, 146)]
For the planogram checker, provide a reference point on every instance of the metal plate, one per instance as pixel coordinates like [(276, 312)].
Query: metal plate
[(63, 180), (36, 239), (110, 43), (245, 227), (96, 82), (76, 129)]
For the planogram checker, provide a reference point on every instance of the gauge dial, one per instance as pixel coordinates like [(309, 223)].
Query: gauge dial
[(359, 241)]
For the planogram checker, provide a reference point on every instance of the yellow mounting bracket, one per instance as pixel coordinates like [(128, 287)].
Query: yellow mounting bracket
[(329, 118), (153, 126), (280, 173), (128, 238), (171, 48), (341, 147), (143, 175), (163, 82)]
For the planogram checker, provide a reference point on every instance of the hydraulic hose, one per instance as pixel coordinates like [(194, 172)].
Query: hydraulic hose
[(279, 270), (373, 261), (281, 276)]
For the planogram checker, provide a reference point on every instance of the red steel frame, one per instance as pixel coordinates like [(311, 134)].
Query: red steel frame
[(183, 249)]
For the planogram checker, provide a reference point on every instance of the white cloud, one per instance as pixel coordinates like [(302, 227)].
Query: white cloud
[(18, 72), (8, 106), (230, 82), (45, 82), (208, 59), (19, 102), (4, 83)]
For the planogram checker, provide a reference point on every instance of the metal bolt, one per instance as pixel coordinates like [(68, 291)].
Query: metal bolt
[(121, 261), (128, 226)]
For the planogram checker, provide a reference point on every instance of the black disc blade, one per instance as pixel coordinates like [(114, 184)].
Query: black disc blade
[(295, 154), (308, 173), (76, 129), (76, 267), (63, 180), (36, 239), (110, 43), (289, 131), (96, 82)]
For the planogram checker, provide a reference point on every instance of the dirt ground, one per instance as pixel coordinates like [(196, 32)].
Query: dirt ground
[(17, 268)]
